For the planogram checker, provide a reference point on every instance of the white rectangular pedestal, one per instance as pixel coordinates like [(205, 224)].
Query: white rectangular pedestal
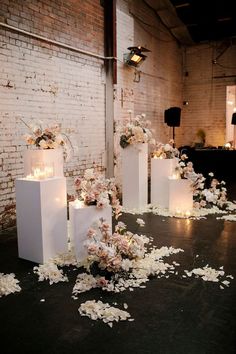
[(161, 169), (134, 176), (41, 211), (81, 219), (180, 196)]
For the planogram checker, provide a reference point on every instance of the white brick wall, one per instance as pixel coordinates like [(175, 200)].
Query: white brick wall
[(205, 90), (52, 88), (39, 81), (160, 83)]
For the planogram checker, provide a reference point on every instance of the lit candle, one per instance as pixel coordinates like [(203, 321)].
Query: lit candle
[(78, 203), (49, 172), (178, 212), (43, 172), (30, 176), (175, 176), (187, 213), (36, 173)]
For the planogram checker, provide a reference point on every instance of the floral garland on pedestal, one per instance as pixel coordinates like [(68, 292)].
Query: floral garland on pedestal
[(113, 253), (165, 151), (207, 192), (95, 189), (135, 130), (49, 137)]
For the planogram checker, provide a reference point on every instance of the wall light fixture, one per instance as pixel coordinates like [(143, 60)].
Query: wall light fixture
[(135, 57)]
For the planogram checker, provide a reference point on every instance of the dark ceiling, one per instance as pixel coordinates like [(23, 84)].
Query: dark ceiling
[(207, 20)]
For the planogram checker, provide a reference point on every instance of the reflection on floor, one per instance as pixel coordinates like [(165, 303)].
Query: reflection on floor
[(172, 316)]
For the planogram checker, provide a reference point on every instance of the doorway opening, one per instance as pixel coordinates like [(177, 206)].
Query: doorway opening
[(230, 135)]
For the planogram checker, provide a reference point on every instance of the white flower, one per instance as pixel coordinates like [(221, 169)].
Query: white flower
[(210, 197), (43, 144), (121, 225), (182, 164), (59, 139), (211, 174), (89, 173), (102, 202), (126, 264), (140, 222), (167, 147)]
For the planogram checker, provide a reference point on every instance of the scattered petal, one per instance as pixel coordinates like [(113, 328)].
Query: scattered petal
[(98, 310), (49, 271), (140, 222), (8, 284)]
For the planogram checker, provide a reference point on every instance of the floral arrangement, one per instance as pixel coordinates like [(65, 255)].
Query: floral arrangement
[(135, 130), (213, 193), (114, 252), (95, 189), (185, 170), (207, 192), (165, 151), (49, 137)]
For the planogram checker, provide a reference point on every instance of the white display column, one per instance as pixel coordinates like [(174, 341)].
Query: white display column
[(161, 169), (82, 218), (135, 176), (180, 196), (43, 161), (41, 209)]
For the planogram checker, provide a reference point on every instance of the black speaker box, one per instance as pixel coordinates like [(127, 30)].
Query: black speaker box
[(172, 116), (233, 118)]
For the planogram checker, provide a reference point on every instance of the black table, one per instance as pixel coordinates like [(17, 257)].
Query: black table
[(221, 162)]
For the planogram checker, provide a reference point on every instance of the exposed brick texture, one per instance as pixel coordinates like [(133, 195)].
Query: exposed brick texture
[(205, 90), (40, 81), (160, 84)]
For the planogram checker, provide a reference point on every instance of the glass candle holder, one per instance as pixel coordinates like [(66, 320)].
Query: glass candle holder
[(40, 170)]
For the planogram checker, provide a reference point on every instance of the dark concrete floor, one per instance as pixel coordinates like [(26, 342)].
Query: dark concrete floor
[(172, 316)]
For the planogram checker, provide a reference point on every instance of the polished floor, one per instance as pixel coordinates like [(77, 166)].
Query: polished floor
[(172, 316)]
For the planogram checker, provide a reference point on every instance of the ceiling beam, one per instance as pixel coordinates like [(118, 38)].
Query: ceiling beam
[(168, 16)]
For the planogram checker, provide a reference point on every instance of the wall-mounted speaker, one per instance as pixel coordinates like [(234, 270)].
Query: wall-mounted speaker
[(172, 116), (233, 118)]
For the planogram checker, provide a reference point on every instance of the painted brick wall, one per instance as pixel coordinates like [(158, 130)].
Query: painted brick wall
[(205, 90), (40, 81), (160, 84)]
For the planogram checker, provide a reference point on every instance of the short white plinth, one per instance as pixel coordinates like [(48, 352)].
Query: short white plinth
[(41, 210), (134, 176), (44, 160), (180, 196), (81, 219), (161, 169)]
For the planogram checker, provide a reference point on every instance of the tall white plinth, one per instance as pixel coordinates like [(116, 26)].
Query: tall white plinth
[(180, 195), (41, 210), (81, 219), (161, 169), (134, 176), (49, 158)]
